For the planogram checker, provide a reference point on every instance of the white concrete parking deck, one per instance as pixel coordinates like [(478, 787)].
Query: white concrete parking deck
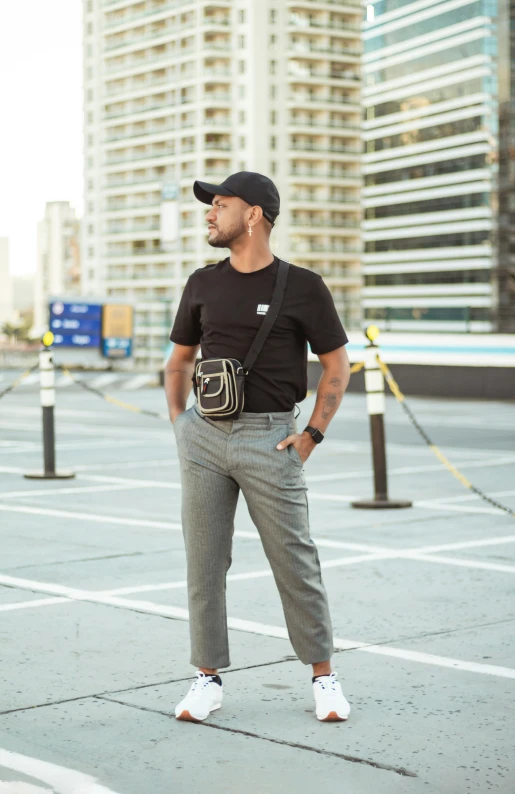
[(93, 614)]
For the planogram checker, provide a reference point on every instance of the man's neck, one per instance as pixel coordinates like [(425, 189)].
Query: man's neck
[(249, 258)]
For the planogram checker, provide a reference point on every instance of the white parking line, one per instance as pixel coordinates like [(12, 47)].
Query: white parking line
[(463, 464), (437, 504), (322, 542), (67, 490), (39, 602), (62, 779), (103, 380), (252, 627)]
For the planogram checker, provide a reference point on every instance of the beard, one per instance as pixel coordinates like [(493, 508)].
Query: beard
[(224, 239)]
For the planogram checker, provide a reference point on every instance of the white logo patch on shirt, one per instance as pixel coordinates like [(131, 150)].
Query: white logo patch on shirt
[(262, 308)]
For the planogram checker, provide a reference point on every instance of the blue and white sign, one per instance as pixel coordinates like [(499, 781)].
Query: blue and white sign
[(117, 348), (76, 324)]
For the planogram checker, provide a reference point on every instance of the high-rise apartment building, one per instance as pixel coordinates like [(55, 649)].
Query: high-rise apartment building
[(178, 90), (58, 259), (439, 167)]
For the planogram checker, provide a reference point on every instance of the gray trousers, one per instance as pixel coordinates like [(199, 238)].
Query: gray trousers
[(217, 459)]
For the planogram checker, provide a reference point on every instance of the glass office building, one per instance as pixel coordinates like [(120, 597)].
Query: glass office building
[(439, 165)]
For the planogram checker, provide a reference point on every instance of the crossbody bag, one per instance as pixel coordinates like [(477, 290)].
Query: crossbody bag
[(219, 383)]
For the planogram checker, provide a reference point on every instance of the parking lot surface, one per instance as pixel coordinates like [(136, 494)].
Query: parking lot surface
[(93, 613)]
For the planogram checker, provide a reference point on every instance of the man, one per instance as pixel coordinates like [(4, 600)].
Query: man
[(260, 452)]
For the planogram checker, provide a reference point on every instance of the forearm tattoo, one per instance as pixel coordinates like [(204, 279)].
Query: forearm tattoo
[(331, 399)]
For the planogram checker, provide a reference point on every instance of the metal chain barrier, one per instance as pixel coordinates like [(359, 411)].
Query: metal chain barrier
[(399, 396), (110, 399), (134, 408), (18, 381)]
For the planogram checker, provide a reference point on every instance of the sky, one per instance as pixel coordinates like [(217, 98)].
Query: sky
[(40, 118)]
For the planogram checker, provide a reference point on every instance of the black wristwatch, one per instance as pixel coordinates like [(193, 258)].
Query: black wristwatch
[(315, 434)]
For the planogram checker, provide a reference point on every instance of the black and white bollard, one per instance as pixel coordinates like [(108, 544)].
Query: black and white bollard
[(374, 385), (47, 395)]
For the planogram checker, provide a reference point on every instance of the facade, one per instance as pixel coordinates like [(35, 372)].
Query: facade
[(6, 294), (23, 295), (58, 259), (178, 90), (439, 195)]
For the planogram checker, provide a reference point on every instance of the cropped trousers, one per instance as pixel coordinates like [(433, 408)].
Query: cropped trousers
[(217, 460)]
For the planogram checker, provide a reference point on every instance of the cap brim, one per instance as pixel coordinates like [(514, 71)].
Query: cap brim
[(204, 191)]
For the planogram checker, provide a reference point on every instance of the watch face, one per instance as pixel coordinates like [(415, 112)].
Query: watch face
[(318, 436)]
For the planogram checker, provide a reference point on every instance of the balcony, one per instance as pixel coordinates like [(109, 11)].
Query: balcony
[(318, 224), (134, 229), (139, 134), (296, 48), (134, 111), (217, 146), (305, 23), (310, 147), (137, 157), (123, 207), (211, 20), (170, 56), (322, 74), (298, 122), (170, 30), (354, 4), (321, 248), (130, 182), (128, 18), (119, 91), (124, 254), (313, 198), (216, 97), (301, 100)]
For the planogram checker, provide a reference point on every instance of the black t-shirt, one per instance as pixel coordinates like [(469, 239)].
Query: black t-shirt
[(222, 309)]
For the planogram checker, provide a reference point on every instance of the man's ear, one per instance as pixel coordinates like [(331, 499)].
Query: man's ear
[(256, 214)]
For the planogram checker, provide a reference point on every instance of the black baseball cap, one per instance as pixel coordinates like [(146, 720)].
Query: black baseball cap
[(256, 189)]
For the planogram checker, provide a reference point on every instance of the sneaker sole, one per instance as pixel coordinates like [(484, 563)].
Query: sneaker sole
[(332, 717), (185, 716)]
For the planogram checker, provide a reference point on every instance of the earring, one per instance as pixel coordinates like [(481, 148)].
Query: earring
[(250, 230)]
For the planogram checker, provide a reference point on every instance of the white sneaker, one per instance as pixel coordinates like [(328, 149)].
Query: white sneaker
[(204, 696), (330, 703)]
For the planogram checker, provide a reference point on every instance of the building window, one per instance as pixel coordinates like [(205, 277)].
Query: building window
[(91, 252), (272, 141), (273, 117), (241, 42), (273, 15), (242, 92), (272, 92), (273, 67), (242, 117), (242, 15), (273, 40), (242, 142), (242, 67), (273, 166)]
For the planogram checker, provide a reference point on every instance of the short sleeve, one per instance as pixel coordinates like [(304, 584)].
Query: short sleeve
[(322, 325), (187, 329)]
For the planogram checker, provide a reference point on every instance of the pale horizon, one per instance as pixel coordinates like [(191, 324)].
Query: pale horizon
[(41, 135)]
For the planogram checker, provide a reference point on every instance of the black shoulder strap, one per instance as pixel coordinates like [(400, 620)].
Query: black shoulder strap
[(270, 317)]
